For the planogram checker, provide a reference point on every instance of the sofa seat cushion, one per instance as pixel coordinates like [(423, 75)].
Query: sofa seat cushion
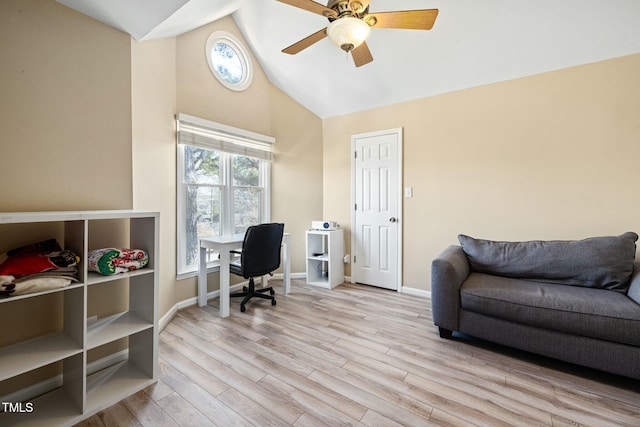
[(598, 262), (595, 313)]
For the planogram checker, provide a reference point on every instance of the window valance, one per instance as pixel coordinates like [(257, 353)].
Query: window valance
[(207, 134)]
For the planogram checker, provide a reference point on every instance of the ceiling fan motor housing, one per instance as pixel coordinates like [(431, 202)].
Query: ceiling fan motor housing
[(346, 8)]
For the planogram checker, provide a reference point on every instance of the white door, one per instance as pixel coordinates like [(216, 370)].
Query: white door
[(376, 227)]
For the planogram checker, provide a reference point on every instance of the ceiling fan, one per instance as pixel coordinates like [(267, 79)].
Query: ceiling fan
[(350, 23)]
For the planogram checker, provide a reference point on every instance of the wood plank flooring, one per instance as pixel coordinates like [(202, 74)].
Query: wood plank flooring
[(361, 356)]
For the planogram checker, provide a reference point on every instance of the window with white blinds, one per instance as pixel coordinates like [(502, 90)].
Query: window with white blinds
[(223, 184), (215, 136)]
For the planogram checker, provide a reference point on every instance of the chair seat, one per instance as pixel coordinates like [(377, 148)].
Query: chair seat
[(260, 255), (235, 268)]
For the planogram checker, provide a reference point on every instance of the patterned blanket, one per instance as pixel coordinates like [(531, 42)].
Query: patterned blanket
[(110, 261)]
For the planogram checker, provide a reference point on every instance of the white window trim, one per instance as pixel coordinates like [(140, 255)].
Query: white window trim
[(187, 127)]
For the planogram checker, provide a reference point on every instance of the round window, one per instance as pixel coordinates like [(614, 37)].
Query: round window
[(228, 60)]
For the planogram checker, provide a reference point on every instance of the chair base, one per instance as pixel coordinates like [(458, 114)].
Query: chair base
[(251, 291)]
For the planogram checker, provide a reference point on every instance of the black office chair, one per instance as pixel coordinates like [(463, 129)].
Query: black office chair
[(260, 255)]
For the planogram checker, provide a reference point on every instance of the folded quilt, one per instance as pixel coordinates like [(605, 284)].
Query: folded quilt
[(108, 261), (37, 267), (32, 263), (27, 285)]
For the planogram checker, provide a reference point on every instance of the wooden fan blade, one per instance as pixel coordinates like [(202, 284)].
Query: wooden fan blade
[(306, 42), (404, 19), (361, 55), (312, 6)]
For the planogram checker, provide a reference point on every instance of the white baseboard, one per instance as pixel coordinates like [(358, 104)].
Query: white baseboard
[(404, 289), (293, 276), (415, 292)]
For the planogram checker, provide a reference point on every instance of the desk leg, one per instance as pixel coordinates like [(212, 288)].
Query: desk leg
[(202, 278), (287, 265), (225, 259)]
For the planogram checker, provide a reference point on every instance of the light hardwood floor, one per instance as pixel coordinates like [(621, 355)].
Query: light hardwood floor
[(357, 355)]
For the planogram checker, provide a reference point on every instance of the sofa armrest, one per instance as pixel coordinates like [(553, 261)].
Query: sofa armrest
[(634, 287), (448, 271)]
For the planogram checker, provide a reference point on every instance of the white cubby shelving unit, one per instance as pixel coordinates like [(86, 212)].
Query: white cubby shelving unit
[(325, 252), (92, 362)]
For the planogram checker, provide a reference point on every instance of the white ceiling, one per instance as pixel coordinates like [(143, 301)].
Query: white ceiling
[(472, 43)]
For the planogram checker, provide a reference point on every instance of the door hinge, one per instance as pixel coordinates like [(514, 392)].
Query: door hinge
[(355, 207), (355, 154), (354, 259)]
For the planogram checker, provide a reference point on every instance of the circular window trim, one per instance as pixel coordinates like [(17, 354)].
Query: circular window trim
[(237, 46)]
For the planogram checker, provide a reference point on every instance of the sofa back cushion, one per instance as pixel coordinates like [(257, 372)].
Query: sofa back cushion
[(597, 262)]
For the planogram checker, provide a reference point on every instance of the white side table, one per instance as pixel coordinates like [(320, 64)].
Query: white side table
[(325, 253)]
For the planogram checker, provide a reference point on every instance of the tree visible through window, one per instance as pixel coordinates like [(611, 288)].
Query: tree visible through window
[(202, 204), (227, 62), (223, 184), (222, 193), (247, 194)]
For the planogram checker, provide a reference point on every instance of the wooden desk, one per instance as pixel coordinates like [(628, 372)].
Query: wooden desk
[(223, 244)]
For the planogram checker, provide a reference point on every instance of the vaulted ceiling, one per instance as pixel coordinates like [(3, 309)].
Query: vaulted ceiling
[(472, 43)]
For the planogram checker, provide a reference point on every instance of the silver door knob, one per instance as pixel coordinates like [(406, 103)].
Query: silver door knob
[(393, 219)]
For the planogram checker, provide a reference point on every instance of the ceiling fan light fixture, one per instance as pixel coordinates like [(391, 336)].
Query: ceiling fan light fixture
[(348, 33)]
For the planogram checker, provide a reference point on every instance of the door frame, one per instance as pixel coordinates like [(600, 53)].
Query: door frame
[(399, 133)]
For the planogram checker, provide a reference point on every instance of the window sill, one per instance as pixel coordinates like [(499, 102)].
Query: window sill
[(213, 267)]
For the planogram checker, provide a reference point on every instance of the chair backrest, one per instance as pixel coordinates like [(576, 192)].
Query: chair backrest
[(261, 249)]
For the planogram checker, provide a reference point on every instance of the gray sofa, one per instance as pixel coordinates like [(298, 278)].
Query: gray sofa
[(576, 301)]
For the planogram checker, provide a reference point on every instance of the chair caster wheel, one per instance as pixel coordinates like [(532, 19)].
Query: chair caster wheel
[(243, 308), (273, 302), (245, 289), (272, 292)]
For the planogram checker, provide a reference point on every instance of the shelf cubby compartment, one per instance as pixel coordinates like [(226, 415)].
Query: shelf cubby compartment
[(50, 346), (125, 377), (11, 299), (62, 406), (35, 353), (325, 250), (115, 327)]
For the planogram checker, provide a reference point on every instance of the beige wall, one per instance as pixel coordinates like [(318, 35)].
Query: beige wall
[(153, 99), (65, 137), (65, 110), (553, 156), (65, 126), (296, 175), (201, 95), (262, 108)]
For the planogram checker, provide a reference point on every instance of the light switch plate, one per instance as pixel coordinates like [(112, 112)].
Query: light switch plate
[(408, 192)]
